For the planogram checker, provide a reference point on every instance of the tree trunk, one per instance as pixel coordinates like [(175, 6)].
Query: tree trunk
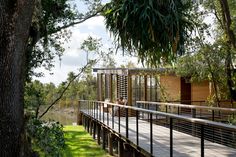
[(232, 45), (15, 19)]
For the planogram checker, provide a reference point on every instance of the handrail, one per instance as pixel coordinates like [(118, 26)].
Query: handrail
[(189, 106), (171, 115)]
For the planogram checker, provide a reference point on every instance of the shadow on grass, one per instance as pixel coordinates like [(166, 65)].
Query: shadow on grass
[(80, 143)]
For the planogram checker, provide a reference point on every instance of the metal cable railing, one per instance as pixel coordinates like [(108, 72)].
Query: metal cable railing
[(218, 114), (164, 134)]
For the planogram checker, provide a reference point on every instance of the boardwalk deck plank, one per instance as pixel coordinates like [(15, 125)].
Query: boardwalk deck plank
[(184, 145)]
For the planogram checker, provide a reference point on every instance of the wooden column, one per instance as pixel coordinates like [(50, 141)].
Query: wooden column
[(129, 103), (110, 87), (130, 96), (145, 88), (100, 87)]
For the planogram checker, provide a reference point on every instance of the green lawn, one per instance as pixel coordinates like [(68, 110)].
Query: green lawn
[(81, 144)]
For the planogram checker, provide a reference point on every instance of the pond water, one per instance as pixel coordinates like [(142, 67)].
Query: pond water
[(62, 117)]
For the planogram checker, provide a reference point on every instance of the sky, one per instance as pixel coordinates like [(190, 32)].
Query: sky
[(74, 57)]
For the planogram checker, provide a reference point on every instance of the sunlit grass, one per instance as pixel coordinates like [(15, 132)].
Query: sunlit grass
[(81, 144)]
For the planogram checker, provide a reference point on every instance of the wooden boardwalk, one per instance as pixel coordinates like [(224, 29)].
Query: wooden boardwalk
[(184, 145)]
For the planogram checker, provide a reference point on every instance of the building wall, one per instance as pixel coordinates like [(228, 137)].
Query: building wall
[(171, 86), (200, 91)]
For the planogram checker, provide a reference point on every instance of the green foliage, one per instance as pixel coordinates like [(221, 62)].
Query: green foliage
[(156, 29), (46, 36), (34, 97), (48, 137), (210, 59), (48, 30), (232, 120), (94, 45), (206, 64)]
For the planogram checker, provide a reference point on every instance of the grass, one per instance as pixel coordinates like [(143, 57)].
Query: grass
[(81, 144)]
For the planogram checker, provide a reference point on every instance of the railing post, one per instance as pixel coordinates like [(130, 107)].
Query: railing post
[(171, 137), (213, 115), (107, 115), (96, 110), (193, 113), (137, 134), (100, 111), (112, 112), (151, 136), (202, 140), (103, 113), (127, 123), (119, 119)]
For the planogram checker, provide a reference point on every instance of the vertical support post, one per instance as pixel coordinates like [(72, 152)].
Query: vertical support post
[(145, 87), (171, 137), (94, 130), (151, 135), (103, 138), (91, 127), (202, 141), (151, 88), (111, 88), (120, 148), (129, 94), (127, 123), (137, 131), (110, 145), (99, 133), (87, 124)]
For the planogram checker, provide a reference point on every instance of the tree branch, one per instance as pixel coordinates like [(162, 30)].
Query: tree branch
[(79, 22), (216, 15), (68, 85)]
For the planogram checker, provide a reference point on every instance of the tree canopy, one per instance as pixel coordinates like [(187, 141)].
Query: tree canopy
[(156, 30)]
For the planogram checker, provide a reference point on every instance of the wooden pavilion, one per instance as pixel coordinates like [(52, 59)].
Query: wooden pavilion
[(137, 84)]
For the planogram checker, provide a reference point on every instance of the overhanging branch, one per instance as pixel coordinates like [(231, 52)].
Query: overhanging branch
[(68, 85)]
